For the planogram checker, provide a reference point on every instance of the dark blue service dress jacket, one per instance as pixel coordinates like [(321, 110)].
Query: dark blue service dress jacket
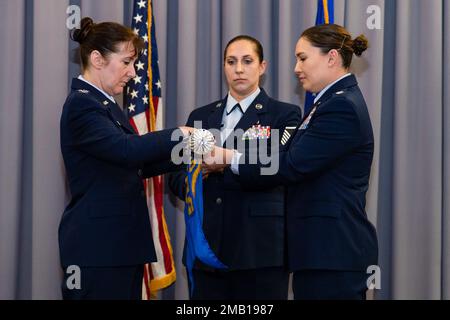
[(106, 222), (326, 168)]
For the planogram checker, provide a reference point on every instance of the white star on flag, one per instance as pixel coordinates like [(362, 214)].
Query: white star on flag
[(145, 99), (140, 65), (138, 18), (134, 94), (132, 107), (141, 4), (158, 84), (145, 38), (137, 80)]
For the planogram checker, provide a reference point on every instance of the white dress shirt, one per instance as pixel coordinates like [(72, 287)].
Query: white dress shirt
[(244, 104), (231, 119)]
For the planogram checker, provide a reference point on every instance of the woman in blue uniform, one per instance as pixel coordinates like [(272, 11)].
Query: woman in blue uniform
[(326, 166), (105, 230), (243, 226)]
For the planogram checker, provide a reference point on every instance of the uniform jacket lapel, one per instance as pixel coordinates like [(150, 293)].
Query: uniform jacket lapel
[(215, 119), (120, 117), (347, 82), (252, 115), (344, 84)]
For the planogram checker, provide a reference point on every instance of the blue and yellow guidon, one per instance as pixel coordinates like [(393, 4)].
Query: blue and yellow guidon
[(325, 12), (197, 246), (195, 171)]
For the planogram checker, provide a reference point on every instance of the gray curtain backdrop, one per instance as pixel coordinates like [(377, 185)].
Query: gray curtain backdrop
[(403, 77)]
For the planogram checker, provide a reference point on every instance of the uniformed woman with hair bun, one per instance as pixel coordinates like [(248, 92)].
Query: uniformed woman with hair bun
[(326, 166), (105, 229)]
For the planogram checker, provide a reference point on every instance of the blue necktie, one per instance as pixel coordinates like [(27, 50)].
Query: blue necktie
[(231, 120)]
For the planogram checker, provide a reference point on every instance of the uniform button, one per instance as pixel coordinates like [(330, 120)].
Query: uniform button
[(140, 173), (219, 200)]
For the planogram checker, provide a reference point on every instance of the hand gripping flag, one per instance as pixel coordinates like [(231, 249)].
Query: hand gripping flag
[(325, 15), (196, 244)]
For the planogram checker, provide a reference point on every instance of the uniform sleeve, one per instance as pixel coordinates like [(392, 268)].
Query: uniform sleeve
[(160, 168), (288, 123), (334, 133), (94, 131), (177, 183)]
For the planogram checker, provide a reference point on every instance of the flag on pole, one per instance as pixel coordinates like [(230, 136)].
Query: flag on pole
[(145, 109), (325, 15), (196, 244)]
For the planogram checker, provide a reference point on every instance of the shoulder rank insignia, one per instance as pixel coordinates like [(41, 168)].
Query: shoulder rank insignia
[(83, 91), (105, 103), (339, 92), (287, 134), (219, 105)]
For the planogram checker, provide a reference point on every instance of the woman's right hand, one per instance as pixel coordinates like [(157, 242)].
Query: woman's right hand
[(186, 130)]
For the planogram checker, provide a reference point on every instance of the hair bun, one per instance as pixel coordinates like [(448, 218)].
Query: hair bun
[(80, 35), (360, 44)]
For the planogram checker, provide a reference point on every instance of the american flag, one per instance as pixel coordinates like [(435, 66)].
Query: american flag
[(144, 104)]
